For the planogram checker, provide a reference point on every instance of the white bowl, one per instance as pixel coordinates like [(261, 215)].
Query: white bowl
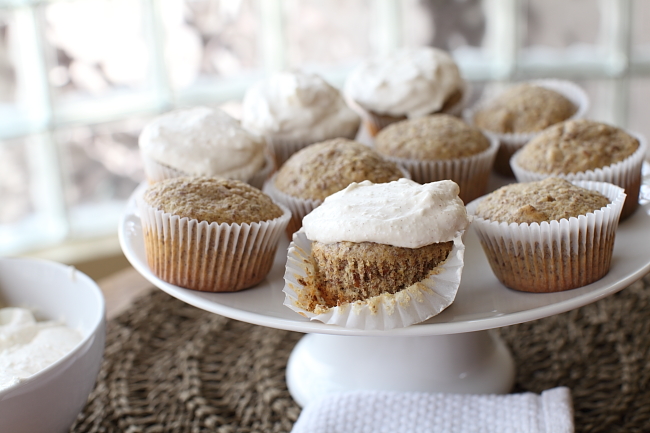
[(50, 400)]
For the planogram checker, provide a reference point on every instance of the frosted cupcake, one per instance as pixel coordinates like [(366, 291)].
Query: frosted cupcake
[(550, 235), (295, 109), (439, 147), (522, 111), (209, 234), (378, 256), (585, 150), (203, 141), (410, 83), (322, 169)]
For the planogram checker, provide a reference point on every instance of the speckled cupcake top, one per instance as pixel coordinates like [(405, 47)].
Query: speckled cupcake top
[(524, 108), (436, 137), (212, 200), (575, 146), (547, 200), (324, 168)]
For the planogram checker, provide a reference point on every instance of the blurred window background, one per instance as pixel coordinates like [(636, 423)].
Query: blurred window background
[(79, 78)]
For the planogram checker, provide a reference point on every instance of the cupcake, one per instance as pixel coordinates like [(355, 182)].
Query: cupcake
[(550, 235), (524, 110), (585, 150), (210, 234), (439, 147), (202, 141), (322, 169), (295, 109), (378, 256), (410, 83)]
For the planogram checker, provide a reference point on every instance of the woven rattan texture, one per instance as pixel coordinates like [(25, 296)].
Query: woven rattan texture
[(170, 367)]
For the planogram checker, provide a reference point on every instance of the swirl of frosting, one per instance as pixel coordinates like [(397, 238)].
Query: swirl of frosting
[(203, 141), (296, 105), (411, 82), (401, 213)]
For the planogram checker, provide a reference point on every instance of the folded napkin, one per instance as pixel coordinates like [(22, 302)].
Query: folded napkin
[(412, 412)]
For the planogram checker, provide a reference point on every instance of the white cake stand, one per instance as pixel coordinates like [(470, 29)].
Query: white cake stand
[(451, 352)]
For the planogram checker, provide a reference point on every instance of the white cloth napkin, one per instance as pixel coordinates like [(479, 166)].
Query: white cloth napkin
[(412, 412)]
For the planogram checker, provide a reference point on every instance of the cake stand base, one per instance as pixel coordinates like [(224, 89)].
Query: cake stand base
[(473, 362)]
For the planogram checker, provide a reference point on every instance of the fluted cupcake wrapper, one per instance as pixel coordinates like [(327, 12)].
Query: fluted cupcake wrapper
[(512, 142), (552, 256), (471, 173), (206, 256), (375, 122), (414, 304), (300, 207), (156, 171), (626, 174), (284, 147)]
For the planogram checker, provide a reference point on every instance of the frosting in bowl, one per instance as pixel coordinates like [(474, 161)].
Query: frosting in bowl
[(401, 213), (297, 105), (28, 346), (411, 82), (203, 141)]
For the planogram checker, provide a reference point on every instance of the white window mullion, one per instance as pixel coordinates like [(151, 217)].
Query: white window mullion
[(46, 181), (272, 35), (387, 31)]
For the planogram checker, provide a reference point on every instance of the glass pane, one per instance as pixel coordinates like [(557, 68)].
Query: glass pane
[(326, 33), (102, 167), (14, 182), (638, 109), (448, 25), (551, 30), (98, 57), (226, 37)]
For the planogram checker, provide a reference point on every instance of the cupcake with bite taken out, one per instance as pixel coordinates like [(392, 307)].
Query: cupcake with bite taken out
[(378, 256)]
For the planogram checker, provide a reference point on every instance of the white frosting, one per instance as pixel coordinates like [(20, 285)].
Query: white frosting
[(411, 82), (203, 141), (297, 106), (27, 346), (401, 213)]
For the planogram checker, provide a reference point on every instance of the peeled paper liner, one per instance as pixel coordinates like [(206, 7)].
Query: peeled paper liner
[(514, 141), (156, 171), (622, 173), (575, 234), (414, 304)]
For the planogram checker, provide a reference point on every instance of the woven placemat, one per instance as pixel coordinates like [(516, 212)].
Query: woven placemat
[(170, 367)]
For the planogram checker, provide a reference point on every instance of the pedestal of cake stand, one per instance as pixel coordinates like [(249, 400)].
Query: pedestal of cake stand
[(473, 362)]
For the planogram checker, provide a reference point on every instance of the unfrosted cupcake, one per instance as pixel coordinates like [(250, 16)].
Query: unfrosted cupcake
[(439, 147), (322, 169), (378, 256), (203, 141), (550, 235), (210, 234), (523, 110), (295, 109), (585, 150), (409, 83)]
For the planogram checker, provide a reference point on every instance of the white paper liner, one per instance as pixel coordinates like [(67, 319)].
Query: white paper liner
[(556, 255), (471, 173), (283, 148), (512, 142), (156, 171), (375, 122), (412, 305), (300, 207), (209, 256), (626, 174)]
